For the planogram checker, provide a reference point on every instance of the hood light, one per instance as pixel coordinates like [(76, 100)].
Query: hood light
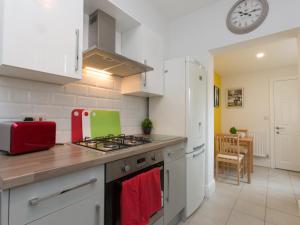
[(260, 55), (94, 70)]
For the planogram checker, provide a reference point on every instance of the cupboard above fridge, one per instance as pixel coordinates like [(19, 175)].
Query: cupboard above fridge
[(146, 46)]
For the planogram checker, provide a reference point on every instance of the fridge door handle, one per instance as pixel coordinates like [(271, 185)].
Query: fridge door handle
[(198, 147)]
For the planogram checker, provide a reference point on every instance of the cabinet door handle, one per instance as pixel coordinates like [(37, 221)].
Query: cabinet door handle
[(37, 200), (77, 50), (145, 75), (98, 214), (168, 185)]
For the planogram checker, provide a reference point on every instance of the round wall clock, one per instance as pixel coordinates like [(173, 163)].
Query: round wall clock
[(247, 15)]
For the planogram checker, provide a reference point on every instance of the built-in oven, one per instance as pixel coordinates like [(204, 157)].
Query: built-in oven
[(118, 171)]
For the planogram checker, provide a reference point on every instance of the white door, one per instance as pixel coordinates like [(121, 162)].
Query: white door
[(196, 106), (287, 124), (195, 180), (44, 36)]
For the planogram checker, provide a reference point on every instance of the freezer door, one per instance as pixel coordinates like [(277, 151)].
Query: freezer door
[(196, 105), (195, 163)]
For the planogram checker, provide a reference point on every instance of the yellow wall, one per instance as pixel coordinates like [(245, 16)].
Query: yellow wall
[(218, 83)]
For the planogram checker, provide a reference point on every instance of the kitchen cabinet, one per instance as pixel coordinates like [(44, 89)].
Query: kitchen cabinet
[(85, 212), (146, 46), (175, 182), (41, 40), (76, 199)]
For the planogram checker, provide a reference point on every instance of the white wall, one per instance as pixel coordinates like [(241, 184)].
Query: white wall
[(199, 32), (255, 115), (20, 98)]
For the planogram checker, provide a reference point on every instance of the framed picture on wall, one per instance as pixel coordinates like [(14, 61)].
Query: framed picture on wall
[(235, 98), (216, 96)]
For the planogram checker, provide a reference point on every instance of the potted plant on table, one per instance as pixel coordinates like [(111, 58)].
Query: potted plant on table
[(233, 130), (147, 126)]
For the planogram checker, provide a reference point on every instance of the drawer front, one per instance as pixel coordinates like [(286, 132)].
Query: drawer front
[(174, 152), (37, 200)]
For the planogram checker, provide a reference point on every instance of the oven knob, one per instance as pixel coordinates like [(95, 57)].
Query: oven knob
[(126, 168)]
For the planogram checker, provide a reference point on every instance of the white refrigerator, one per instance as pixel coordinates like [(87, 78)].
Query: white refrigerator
[(182, 112)]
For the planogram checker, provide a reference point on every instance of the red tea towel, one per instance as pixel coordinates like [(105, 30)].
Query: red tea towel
[(130, 202), (140, 198), (150, 193)]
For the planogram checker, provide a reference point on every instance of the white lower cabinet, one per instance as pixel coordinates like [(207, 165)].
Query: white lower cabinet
[(175, 182), (87, 212), (73, 199)]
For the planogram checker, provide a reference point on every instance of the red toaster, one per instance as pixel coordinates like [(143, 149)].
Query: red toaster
[(23, 137)]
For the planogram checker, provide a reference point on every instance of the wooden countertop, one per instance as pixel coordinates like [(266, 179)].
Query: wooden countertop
[(62, 159)]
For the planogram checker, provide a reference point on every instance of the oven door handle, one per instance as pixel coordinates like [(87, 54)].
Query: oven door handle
[(168, 185)]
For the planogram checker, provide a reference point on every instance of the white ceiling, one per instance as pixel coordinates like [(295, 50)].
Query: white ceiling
[(176, 8), (242, 60)]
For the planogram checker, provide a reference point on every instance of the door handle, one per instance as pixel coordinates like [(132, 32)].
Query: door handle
[(145, 75), (279, 128), (77, 50), (98, 213), (168, 185), (199, 147), (37, 200)]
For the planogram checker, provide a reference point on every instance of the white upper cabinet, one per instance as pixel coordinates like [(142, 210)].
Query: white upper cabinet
[(41, 39), (146, 46)]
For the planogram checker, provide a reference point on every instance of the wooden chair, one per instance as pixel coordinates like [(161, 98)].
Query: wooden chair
[(243, 131), (228, 153), (243, 147)]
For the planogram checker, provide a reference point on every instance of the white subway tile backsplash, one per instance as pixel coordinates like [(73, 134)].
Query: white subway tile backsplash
[(45, 87), (4, 94), (62, 99), (13, 110), (86, 102), (104, 104), (117, 83), (76, 89), (98, 92), (62, 124), (20, 98), (50, 111), (105, 82), (38, 97), (15, 83), (19, 95)]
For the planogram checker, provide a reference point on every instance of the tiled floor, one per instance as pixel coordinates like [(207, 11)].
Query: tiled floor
[(271, 199)]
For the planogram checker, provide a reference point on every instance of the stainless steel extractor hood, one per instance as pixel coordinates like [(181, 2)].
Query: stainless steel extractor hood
[(101, 53)]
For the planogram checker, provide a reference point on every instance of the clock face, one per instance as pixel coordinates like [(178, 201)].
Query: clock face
[(246, 15)]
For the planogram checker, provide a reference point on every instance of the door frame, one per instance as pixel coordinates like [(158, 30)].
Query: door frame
[(272, 114)]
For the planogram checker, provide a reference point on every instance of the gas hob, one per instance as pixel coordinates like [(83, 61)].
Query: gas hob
[(112, 142)]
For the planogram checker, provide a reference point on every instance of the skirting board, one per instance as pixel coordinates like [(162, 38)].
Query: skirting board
[(210, 189)]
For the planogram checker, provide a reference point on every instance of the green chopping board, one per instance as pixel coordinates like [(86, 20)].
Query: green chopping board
[(105, 122)]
